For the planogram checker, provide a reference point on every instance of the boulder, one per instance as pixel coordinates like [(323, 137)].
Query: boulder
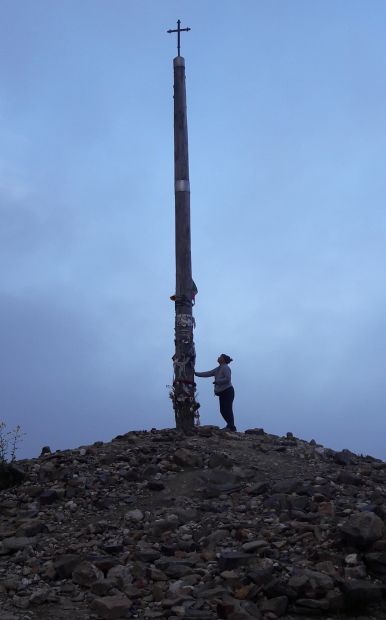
[(362, 529)]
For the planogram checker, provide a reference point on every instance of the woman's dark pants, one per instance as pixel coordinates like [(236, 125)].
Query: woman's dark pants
[(226, 407)]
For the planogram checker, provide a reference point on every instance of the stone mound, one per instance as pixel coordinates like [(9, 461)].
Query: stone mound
[(211, 525)]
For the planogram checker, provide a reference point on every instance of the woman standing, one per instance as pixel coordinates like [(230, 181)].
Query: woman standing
[(223, 388)]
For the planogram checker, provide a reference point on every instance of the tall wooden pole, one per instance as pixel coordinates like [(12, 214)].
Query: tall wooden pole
[(183, 393)]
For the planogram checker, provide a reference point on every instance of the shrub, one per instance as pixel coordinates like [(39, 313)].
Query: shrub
[(9, 443)]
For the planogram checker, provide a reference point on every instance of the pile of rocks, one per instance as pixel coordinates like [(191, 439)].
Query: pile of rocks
[(212, 525)]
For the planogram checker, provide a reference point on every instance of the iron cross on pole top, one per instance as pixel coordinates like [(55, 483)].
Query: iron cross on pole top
[(178, 31)]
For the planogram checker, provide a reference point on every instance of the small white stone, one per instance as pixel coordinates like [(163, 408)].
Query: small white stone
[(176, 587)]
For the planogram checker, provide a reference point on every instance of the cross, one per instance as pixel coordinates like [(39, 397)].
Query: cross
[(178, 31)]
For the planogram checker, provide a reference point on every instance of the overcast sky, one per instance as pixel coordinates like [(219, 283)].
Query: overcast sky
[(286, 105)]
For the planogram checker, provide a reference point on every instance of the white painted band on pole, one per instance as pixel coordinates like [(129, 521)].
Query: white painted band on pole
[(179, 61), (182, 185)]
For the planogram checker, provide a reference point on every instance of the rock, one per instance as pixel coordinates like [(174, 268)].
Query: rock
[(48, 496), (48, 571), (351, 559), (156, 485), (231, 559), (113, 547), (277, 605), (156, 575), (376, 561), (259, 488), (220, 459), (86, 574), (328, 568), (111, 607), (21, 602), (176, 588), (11, 474), (134, 515), (65, 565), (241, 615), (254, 431), (103, 562), (313, 583), (262, 572), (362, 529), (355, 572), (206, 430), (254, 545), (103, 587), (30, 528), (38, 597), (335, 600), (148, 555), (360, 593), (187, 458), (347, 477), (15, 543), (326, 509), (321, 604), (290, 485), (120, 575), (10, 584), (47, 471), (345, 457), (162, 525), (176, 571)]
